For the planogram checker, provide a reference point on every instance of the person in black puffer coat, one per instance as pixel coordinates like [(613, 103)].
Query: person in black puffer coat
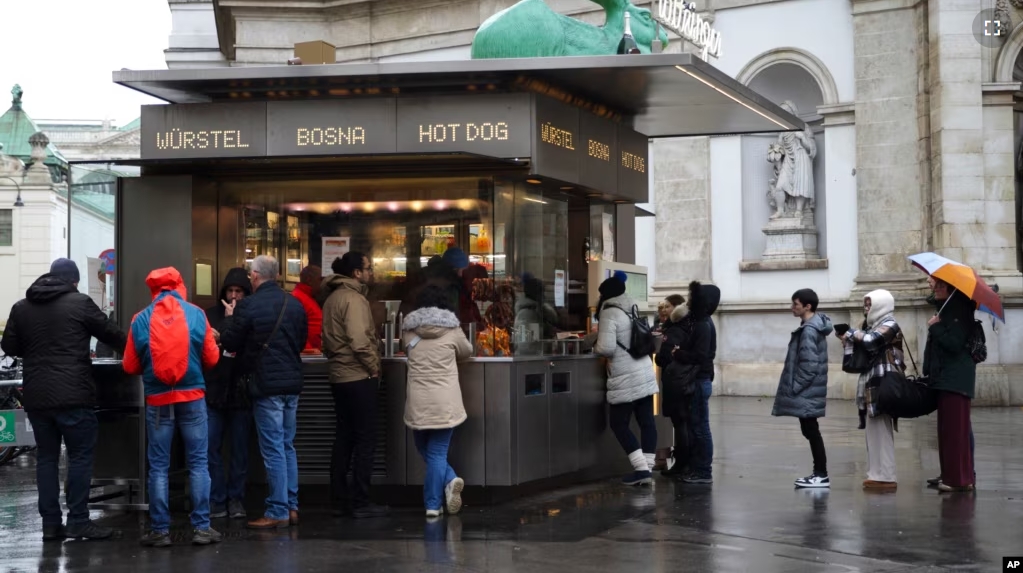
[(229, 409), (699, 348), (675, 404), (50, 329)]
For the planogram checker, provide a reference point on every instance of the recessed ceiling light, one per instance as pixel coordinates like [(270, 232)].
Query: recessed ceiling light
[(533, 181)]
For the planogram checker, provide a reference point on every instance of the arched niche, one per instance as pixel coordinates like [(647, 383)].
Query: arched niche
[(797, 58)]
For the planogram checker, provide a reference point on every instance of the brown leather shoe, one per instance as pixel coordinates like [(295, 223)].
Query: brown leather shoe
[(886, 485), (293, 517), (267, 523)]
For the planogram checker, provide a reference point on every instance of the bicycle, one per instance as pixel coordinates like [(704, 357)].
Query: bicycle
[(10, 399)]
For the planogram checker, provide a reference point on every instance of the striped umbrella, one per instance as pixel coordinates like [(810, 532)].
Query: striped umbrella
[(962, 278)]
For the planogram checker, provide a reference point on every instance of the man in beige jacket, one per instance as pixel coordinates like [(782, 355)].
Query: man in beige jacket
[(353, 353)]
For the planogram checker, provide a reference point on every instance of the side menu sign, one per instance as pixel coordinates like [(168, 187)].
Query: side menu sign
[(581, 148)]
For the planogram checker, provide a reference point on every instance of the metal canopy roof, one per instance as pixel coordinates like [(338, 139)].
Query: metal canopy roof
[(668, 95)]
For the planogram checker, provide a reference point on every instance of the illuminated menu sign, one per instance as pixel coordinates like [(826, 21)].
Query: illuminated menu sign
[(579, 148), (333, 127), (556, 140), (598, 168), (633, 168), (204, 130), (491, 125), (563, 142)]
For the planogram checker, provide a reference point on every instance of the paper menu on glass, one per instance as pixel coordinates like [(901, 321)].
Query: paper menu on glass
[(333, 247), (559, 288), (608, 236)]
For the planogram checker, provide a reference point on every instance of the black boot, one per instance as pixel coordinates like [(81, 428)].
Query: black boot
[(863, 420)]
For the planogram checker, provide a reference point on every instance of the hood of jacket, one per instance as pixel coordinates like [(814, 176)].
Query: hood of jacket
[(819, 322), (523, 302), (882, 304), (430, 322), (236, 277), (703, 299), (678, 313), (335, 282), (49, 288), (166, 279)]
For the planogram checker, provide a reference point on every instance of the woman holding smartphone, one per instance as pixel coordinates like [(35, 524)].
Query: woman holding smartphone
[(880, 338)]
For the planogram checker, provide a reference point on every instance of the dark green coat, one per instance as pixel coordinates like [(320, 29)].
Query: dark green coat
[(947, 360)]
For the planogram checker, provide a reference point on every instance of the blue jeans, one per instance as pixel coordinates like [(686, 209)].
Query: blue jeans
[(703, 448), (433, 447), (276, 418), (78, 428), (190, 419), (238, 423)]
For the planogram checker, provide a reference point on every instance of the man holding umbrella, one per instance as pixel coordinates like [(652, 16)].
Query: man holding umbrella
[(957, 293)]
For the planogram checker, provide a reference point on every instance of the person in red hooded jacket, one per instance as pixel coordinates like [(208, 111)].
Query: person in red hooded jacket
[(170, 344), (307, 293)]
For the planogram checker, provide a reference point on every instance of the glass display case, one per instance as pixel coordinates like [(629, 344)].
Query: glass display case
[(515, 297)]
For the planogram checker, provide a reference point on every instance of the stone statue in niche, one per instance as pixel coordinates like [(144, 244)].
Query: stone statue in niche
[(791, 191)]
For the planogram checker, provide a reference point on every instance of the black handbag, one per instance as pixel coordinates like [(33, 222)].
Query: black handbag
[(901, 396), (858, 362), (251, 378)]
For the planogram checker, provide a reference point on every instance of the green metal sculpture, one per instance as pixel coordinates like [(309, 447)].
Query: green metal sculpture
[(530, 29)]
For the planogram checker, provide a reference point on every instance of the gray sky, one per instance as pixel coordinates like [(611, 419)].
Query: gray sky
[(62, 52)]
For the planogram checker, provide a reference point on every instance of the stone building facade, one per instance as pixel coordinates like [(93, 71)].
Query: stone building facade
[(913, 112)]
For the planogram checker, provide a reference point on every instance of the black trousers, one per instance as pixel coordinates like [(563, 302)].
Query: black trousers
[(684, 441), (619, 417), (78, 428), (812, 432), (355, 410)]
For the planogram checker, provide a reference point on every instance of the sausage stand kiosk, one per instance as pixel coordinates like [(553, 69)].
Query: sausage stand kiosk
[(531, 166)]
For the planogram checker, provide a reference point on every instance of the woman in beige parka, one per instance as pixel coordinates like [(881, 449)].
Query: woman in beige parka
[(434, 342)]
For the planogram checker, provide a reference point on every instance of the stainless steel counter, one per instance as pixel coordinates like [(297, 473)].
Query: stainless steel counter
[(529, 419)]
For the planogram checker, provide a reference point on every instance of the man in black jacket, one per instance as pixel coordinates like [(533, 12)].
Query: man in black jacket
[(269, 328), (229, 409), (50, 329)]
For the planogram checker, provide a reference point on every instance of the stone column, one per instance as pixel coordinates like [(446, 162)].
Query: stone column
[(1000, 241), (681, 178), (892, 140)]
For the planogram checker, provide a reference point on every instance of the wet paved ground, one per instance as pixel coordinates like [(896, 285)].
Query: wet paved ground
[(751, 519)]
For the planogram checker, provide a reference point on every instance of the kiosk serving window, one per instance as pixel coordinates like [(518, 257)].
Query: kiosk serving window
[(513, 291)]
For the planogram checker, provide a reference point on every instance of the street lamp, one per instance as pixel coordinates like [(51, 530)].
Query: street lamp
[(17, 201)]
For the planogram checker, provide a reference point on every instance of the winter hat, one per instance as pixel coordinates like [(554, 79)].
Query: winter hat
[(456, 258), (620, 275), (882, 303), (611, 288), (65, 269)]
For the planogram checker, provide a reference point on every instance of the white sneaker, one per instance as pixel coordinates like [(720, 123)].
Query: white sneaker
[(433, 513), (453, 495), (814, 481)]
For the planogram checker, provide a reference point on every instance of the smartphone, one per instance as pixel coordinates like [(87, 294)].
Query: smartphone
[(841, 329)]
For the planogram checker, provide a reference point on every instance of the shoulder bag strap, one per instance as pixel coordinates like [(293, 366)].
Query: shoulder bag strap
[(905, 346), (280, 318)]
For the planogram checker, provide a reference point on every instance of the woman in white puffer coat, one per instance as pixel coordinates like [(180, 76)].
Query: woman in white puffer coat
[(631, 382)]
